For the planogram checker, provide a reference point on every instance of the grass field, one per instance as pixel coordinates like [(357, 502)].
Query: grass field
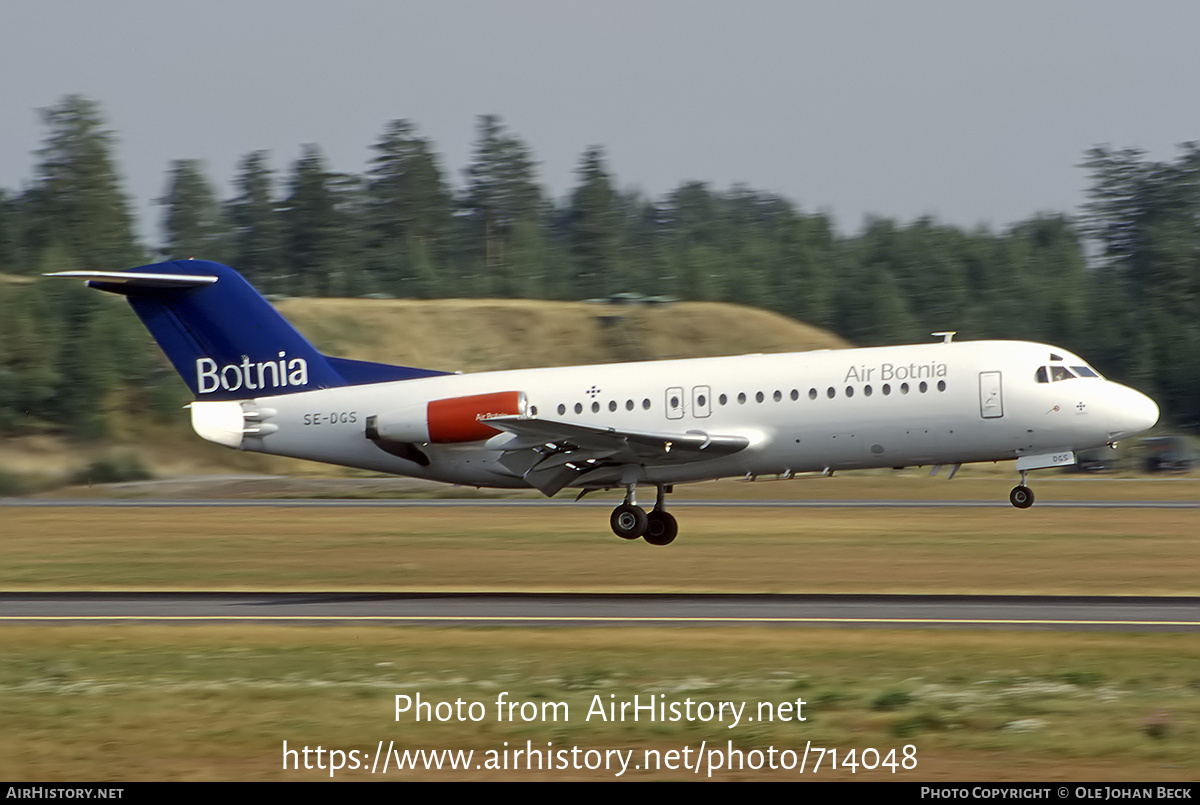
[(569, 548), (216, 703)]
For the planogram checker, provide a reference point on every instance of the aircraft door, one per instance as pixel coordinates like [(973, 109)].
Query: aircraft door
[(674, 402), (991, 400), (701, 401)]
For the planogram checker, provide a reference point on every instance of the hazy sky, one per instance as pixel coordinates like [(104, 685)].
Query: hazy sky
[(969, 111)]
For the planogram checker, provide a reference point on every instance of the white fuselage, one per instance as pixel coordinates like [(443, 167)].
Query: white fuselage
[(938, 403)]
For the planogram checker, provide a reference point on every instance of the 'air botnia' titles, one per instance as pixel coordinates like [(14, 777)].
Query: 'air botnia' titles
[(890, 371), (276, 374)]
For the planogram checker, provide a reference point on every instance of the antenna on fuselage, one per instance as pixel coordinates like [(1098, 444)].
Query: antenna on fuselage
[(947, 335)]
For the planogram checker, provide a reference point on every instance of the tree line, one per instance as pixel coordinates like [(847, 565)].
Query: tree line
[(1119, 282)]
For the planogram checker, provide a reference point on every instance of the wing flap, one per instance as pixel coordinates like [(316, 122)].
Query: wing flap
[(639, 446), (551, 455)]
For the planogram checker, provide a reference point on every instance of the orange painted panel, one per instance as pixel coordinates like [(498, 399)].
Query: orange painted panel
[(458, 419)]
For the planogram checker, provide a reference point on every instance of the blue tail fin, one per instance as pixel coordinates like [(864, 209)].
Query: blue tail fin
[(225, 339)]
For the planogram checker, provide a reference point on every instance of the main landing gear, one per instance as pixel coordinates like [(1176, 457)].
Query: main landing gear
[(1021, 496), (630, 521)]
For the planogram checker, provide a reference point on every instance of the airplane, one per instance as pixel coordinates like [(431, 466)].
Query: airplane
[(260, 386)]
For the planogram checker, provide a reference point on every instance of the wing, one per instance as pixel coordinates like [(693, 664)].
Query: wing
[(551, 455)]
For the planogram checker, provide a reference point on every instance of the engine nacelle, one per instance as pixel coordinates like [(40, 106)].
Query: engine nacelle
[(454, 419)]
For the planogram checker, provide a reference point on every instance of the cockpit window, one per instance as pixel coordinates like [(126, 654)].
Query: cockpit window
[(1053, 374)]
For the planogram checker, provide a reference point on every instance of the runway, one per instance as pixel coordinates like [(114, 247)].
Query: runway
[(1064, 613)]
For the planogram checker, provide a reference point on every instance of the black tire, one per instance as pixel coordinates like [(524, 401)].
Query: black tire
[(661, 528), (1021, 497), (628, 522)]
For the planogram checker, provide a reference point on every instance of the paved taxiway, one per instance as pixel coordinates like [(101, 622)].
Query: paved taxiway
[(1068, 613)]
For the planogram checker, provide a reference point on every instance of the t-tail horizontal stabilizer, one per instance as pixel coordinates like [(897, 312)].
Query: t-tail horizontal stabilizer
[(226, 341)]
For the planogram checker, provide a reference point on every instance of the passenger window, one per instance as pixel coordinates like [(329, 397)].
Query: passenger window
[(758, 397), (795, 395), (867, 390), (887, 389), (812, 394), (830, 392)]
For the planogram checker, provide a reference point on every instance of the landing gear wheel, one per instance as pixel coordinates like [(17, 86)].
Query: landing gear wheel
[(628, 522), (1021, 497), (661, 528)]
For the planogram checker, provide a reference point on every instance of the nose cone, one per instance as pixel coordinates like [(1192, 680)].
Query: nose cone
[(1134, 413)]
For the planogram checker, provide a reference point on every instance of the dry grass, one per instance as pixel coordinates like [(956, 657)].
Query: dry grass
[(1061, 551), (216, 703), (484, 334)]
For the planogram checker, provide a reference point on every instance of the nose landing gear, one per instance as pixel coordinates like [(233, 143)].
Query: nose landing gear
[(630, 521), (1021, 495)]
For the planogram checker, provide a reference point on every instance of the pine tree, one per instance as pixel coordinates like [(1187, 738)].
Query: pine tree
[(345, 276), (1145, 215), (644, 263), (592, 227), (408, 209), (12, 260), (76, 199), (193, 224), (311, 240), (810, 259), (690, 219), (256, 241), (501, 193)]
